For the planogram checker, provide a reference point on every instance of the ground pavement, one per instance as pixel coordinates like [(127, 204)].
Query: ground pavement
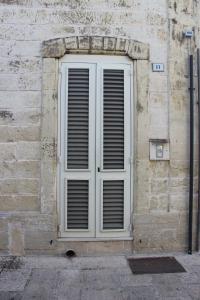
[(94, 278)]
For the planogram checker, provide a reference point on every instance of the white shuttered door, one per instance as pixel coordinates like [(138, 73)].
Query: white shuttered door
[(113, 156), (77, 147), (95, 148)]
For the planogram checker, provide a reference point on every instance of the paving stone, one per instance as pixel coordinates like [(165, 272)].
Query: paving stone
[(104, 279), (141, 293), (126, 280), (42, 285), (194, 291), (69, 278), (10, 295), (14, 280), (101, 294), (70, 293)]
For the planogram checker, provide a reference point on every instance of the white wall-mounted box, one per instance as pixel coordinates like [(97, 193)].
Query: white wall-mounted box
[(159, 149)]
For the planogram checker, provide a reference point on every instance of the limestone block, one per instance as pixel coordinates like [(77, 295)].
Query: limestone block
[(179, 202), (141, 192), (158, 83), (142, 101), (48, 203), (22, 117), (38, 222), (39, 240), (28, 48), (158, 100), (180, 168), (109, 43), (120, 44), (159, 203), (48, 169), (28, 150), (138, 50), (49, 150), (19, 186), (7, 151), (179, 133), (19, 169), (154, 237), (49, 65), (155, 18), (83, 42), (179, 103), (20, 65), (3, 234), (179, 185), (179, 151), (49, 81), (6, 116), (109, 247), (142, 150), (166, 219), (71, 43), (143, 87), (159, 185), (3, 241), (158, 131), (158, 117), (19, 203), (21, 82), (182, 6), (158, 169), (20, 99), (53, 48), (14, 134), (29, 133), (16, 239), (97, 43), (49, 109)]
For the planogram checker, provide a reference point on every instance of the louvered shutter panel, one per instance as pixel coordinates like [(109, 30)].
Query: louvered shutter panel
[(78, 119), (77, 203), (113, 204), (113, 119)]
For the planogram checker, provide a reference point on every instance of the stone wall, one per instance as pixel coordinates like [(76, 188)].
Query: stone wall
[(160, 188)]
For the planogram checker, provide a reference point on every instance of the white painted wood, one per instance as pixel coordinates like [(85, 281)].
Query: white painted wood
[(113, 174), (66, 174)]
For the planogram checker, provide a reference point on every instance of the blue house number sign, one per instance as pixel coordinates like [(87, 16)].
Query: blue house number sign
[(158, 67)]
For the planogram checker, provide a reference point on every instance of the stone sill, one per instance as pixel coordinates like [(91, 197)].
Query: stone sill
[(93, 239)]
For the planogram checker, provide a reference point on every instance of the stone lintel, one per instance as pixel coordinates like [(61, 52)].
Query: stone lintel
[(56, 48)]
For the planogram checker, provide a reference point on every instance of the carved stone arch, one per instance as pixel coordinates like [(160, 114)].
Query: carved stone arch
[(57, 48)]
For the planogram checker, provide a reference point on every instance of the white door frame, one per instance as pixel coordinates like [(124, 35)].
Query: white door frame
[(80, 61)]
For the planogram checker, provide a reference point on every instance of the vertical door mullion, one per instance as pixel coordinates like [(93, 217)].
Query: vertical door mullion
[(99, 146)]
